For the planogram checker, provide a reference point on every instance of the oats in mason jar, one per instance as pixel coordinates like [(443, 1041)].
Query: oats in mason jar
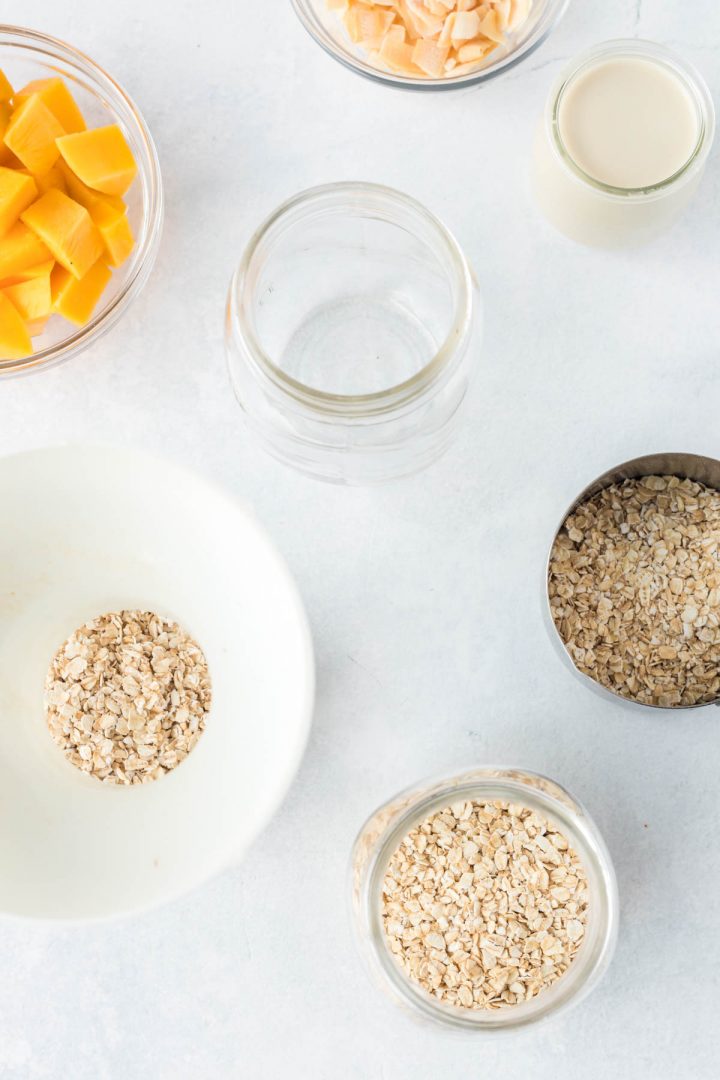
[(485, 905)]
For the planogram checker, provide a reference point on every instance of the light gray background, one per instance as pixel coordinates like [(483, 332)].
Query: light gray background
[(424, 597)]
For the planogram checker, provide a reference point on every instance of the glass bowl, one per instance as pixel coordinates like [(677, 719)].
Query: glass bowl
[(352, 331), (383, 832), (327, 30), (26, 55)]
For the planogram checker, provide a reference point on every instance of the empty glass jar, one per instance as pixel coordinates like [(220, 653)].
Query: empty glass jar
[(352, 333)]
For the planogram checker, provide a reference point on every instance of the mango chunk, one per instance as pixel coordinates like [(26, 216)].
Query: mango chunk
[(21, 249), (114, 227), (6, 158), (109, 213), (101, 158), (55, 95), (32, 298), (6, 90), (32, 133), (85, 195), (53, 178), (15, 341), (67, 229), (17, 191), (76, 300), (27, 275)]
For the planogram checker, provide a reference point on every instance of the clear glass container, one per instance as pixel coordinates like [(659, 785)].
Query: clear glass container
[(596, 213), (327, 30), (384, 831), (26, 55), (352, 333)]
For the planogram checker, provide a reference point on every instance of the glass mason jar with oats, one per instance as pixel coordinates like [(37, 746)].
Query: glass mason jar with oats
[(541, 812)]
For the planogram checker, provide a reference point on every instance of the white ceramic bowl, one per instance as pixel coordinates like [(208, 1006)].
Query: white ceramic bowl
[(90, 530)]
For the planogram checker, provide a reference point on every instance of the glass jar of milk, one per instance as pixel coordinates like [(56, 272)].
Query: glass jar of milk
[(623, 143)]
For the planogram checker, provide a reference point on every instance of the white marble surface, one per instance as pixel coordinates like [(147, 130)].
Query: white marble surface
[(424, 597)]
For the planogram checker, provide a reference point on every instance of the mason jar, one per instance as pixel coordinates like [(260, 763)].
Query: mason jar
[(600, 214), (385, 830), (352, 333)]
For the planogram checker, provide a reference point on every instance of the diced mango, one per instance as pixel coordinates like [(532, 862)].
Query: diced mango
[(63, 221), (115, 230), (6, 157), (85, 195), (17, 191), (15, 341), (55, 94), (67, 229), (6, 90), (40, 270), (101, 158), (32, 133), (20, 249), (53, 178), (76, 300), (32, 298)]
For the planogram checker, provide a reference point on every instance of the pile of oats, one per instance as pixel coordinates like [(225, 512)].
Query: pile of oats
[(485, 904), (126, 697), (634, 587)]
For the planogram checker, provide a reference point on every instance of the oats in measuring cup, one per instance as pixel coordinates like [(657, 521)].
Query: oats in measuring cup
[(634, 589)]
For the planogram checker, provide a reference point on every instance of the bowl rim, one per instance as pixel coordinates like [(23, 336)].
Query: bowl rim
[(36, 42), (142, 459), (549, 18)]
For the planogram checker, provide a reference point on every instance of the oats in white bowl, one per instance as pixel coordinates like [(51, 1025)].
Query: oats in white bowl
[(126, 697)]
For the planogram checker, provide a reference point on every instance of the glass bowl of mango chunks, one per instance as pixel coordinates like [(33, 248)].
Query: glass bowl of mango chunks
[(81, 201), (430, 44)]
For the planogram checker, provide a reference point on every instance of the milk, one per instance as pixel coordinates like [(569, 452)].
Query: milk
[(623, 144)]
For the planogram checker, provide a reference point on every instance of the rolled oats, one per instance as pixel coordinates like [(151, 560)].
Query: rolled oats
[(484, 905), (634, 588), (126, 697)]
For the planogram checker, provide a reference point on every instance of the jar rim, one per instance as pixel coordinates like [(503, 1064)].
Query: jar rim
[(654, 52), (369, 197), (517, 785)]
